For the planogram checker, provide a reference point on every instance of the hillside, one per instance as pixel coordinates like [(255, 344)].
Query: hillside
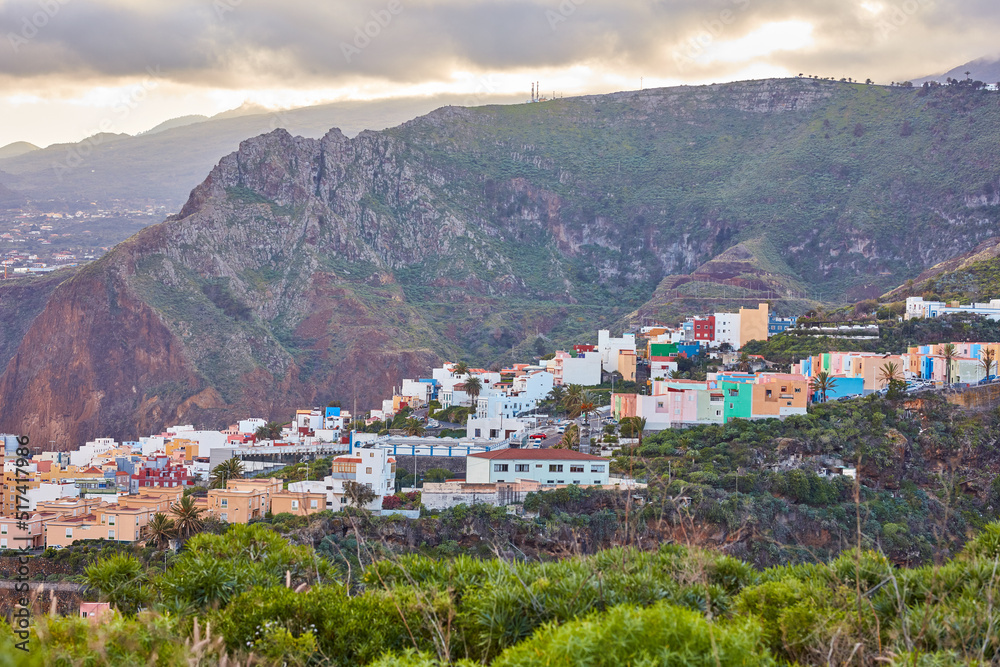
[(16, 149), (303, 270)]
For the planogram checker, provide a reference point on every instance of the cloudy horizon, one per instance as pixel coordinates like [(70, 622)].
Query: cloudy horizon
[(71, 68)]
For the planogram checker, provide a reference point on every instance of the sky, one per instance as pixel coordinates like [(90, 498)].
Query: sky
[(72, 68)]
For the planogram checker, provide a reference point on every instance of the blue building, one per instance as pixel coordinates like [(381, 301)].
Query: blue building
[(777, 325)]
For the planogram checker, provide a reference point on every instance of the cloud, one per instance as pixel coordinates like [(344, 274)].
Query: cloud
[(247, 43)]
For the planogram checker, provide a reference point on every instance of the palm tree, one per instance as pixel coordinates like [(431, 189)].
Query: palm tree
[(674, 375), (889, 373), (188, 517), (461, 368), (572, 400), (949, 352), (823, 383), (570, 439), (557, 396), (987, 359), (414, 427), (161, 529), (119, 579), (231, 468), (473, 387), (744, 363), (268, 431)]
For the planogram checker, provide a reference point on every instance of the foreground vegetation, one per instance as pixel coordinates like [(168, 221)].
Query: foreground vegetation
[(224, 599)]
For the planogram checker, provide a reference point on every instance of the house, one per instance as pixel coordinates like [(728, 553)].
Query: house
[(546, 466), (610, 347), (374, 468), (753, 324), (301, 503), (917, 307), (583, 369), (243, 499), (95, 611), (106, 521)]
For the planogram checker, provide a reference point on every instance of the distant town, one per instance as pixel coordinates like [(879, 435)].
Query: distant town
[(500, 431)]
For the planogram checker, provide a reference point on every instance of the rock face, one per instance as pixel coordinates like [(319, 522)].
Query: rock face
[(304, 270)]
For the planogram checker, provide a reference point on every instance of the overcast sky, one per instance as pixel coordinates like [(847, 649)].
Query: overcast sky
[(69, 68)]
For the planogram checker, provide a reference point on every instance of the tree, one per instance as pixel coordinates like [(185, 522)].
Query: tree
[(987, 359), (461, 368), (557, 397), (161, 529), (120, 580), (949, 352), (889, 372), (570, 439), (188, 518), (823, 383), (437, 475), (359, 495), (473, 387), (633, 427), (572, 400), (231, 468), (744, 364), (268, 431), (414, 427)]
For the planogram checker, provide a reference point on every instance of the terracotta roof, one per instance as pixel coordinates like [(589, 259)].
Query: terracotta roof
[(537, 455)]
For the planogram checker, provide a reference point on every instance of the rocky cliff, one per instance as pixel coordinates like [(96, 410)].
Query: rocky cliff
[(304, 270)]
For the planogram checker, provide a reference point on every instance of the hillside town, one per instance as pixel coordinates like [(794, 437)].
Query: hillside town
[(504, 446)]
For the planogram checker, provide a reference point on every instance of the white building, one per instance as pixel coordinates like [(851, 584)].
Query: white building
[(375, 468), (584, 369), (610, 347), (917, 307), (84, 455), (496, 428), (416, 390), (546, 466), (727, 329), (250, 425)]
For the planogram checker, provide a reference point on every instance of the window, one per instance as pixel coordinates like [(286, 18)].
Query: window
[(500, 467), (597, 467), (69, 532), (295, 504), (111, 534), (343, 500), (576, 468), (3, 529), (798, 390), (767, 393), (552, 481), (555, 468), (224, 502), (224, 516), (522, 467), (576, 481), (313, 505), (538, 465), (368, 471)]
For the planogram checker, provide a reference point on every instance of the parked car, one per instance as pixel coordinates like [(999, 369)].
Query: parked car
[(561, 429), (433, 423), (538, 436)]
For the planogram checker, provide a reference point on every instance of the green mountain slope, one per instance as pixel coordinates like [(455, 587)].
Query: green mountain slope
[(303, 270)]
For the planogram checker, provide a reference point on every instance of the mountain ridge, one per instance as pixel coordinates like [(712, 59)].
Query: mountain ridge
[(305, 270)]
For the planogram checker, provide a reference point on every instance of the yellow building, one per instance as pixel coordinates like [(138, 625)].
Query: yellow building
[(106, 521), (243, 499), (186, 449), (298, 503), (627, 364), (753, 323)]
